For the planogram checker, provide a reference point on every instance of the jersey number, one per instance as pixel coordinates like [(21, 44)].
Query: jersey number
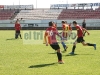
[(50, 33)]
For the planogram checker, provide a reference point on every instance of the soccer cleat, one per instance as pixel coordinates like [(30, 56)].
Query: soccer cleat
[(94, 46), (72, 53), (60, 62), (65, 48)]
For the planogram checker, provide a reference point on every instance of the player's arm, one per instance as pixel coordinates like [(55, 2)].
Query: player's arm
[(45, 38), (86, 31), (58, 34)]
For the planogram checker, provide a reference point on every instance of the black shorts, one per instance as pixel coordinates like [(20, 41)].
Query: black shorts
[(80, 39), (18, 31), (55, 46)]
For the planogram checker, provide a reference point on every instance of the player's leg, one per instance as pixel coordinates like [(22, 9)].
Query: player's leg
[(20, 35), (74, 45), (63, 44), (16, 35), (89, 44), (59, 55), (56, 47), (73, 48)]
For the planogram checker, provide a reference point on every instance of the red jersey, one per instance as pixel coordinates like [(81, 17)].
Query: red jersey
[(79, 31), (66, 29), (51, 33), (70, 28), (17, 26)]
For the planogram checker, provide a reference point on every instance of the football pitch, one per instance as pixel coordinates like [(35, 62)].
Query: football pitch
[(17, 58)]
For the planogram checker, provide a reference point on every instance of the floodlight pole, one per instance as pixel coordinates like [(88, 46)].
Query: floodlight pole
[(36, 3), (67, 3), (19, 2)]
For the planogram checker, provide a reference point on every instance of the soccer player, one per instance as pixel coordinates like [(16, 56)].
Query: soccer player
[(80, 37), (50, 38), (70, 30), (62, 40), (67, 30), (17, 29), (84, 26)]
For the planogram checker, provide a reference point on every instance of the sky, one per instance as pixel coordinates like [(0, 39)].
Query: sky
[(44, 3)]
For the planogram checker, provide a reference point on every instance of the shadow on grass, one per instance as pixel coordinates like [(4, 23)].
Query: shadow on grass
[(52, 53), (72, 54), (11, 39), (64, 51), (41, 65), (78, 54), (86, 54)]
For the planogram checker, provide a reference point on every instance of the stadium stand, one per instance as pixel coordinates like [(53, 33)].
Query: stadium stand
[(39, 14), (6, 14), (38, 18), (79, 14), (59, 14)]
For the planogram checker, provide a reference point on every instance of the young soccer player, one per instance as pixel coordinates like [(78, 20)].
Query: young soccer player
[(67, 30), (84, 26), (80, 37), (50, 38), (17, 29)]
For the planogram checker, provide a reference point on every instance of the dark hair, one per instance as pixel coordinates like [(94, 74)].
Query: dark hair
[(74, 22), (21, 18), (51, 23), (64, 21)]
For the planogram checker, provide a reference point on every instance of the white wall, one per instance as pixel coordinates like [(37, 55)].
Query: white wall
[(44, 23)]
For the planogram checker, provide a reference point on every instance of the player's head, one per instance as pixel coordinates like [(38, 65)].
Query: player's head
[(17, 20), (51, 23), (21, 18), (64, 22), (54, 25), (74, 23)]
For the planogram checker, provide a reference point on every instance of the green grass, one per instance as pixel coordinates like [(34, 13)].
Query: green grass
[(17, 58)]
